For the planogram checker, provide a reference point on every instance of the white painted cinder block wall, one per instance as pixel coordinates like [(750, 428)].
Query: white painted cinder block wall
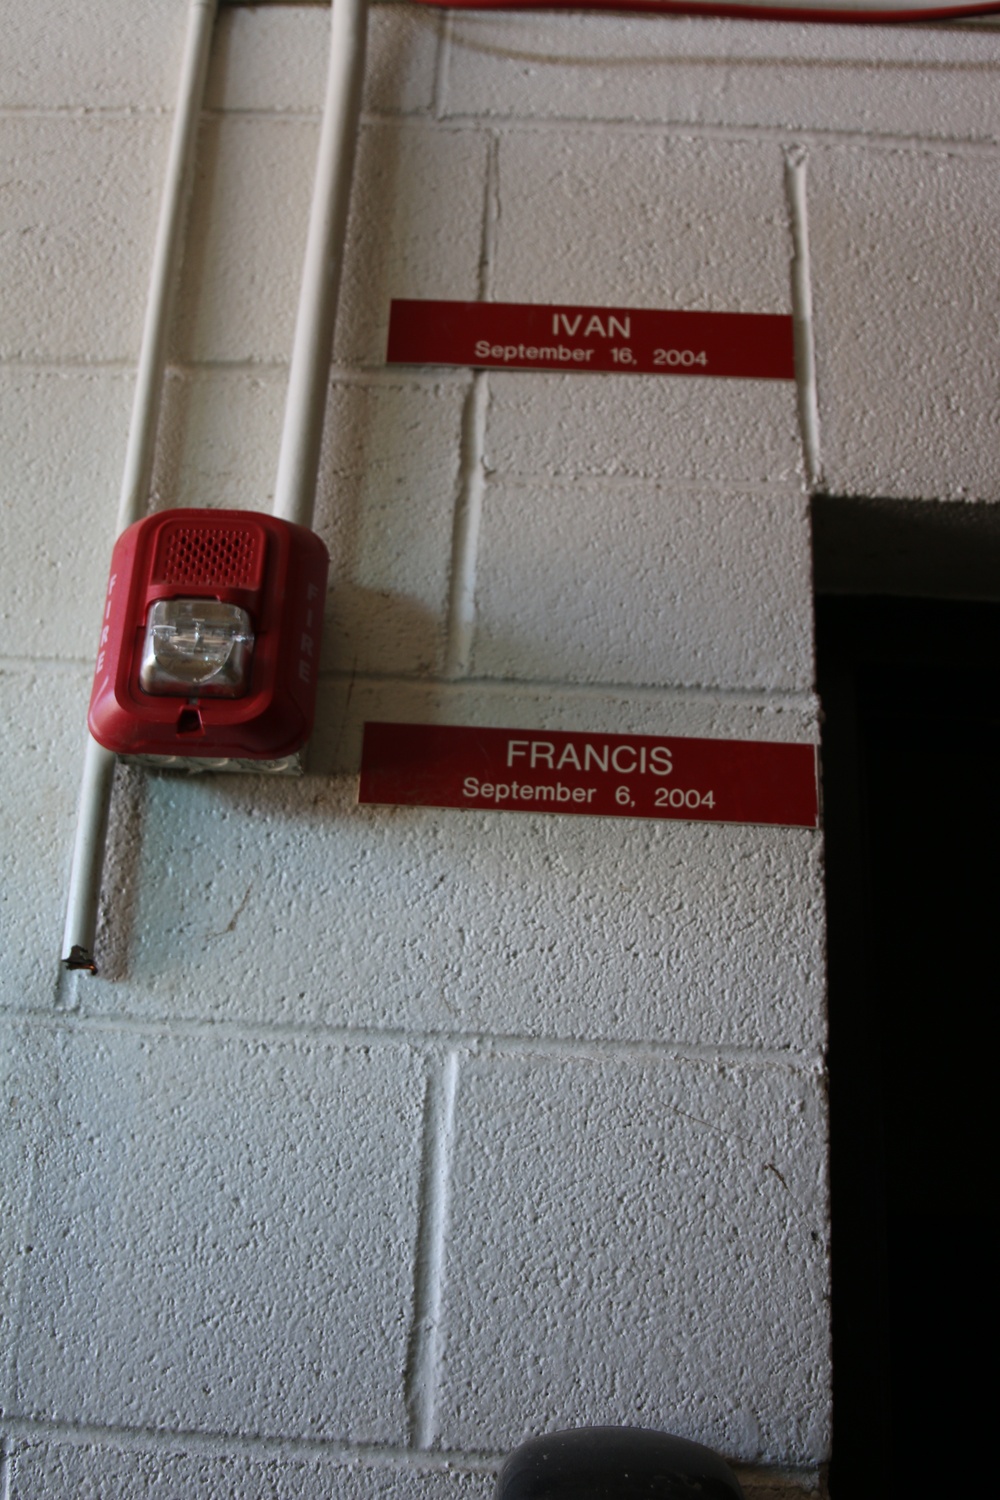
[(387, 1138)]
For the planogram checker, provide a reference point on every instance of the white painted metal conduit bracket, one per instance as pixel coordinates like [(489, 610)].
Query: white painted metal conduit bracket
[(305, 408)]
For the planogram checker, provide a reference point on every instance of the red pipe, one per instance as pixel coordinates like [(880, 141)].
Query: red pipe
[(831, 15)]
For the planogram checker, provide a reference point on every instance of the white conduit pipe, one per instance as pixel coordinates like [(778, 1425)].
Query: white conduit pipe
[(309, 373), (302, 433), (98, 768)]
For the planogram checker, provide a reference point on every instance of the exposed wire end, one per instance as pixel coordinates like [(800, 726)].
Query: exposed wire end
[(80, 958)]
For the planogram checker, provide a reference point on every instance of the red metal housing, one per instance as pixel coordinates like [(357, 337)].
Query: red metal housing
[(274, 570)]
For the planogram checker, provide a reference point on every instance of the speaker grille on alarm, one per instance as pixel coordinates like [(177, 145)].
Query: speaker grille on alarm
[(227, 556)]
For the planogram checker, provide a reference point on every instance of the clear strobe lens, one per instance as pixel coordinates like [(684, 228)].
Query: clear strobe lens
[(196, 647)]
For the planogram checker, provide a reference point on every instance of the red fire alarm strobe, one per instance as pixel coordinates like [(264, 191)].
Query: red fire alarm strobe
[(210, 640)]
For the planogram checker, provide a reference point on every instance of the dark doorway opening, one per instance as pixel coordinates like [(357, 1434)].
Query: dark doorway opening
[(910, 689)]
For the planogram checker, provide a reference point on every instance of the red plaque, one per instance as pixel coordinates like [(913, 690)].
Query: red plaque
[(582, 340), (596, 775)]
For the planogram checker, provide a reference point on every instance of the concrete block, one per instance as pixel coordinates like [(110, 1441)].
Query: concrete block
[(389, 477), (279, 903), (219, 437), (124, 56), (271, 60), (628, 218), (245, 240), (63, 435), (66, 1464), (656, 427), (223, 1236), (632, 582), (62, 1466), (80, 213), (18, 1152), (44, 710), (401, 64), (904, 266), (690, 72), (417, 213), (248, 223), (637, 1243)]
